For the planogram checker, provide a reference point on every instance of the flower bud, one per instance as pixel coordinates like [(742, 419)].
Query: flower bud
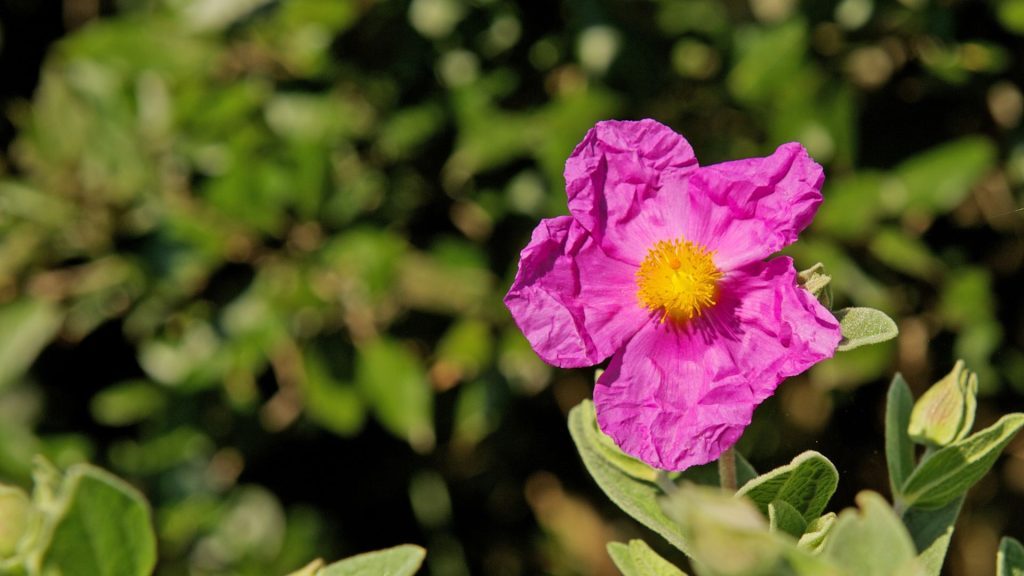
[(15, 509), (945, 413)]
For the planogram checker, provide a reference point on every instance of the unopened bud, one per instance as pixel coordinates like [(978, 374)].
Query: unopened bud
[(945, 413)]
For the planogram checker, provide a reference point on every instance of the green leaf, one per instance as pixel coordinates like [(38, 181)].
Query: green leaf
[(863, 326), (127, 403), (952, 470), (1010, 558), (806, 484), (899, 450), (729, 537), (103, 528), (851, 209), (767, 59), (638, 498), (817, 533), (782, 517), (637, 559), (464, 350), (330, 402), (395, 385), (26, 327), (402, 560), (931, 531), (904, 252), (871, 541), (1010, 14), (938, 179)]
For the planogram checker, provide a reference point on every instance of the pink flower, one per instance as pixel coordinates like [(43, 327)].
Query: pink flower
[(661, 266)]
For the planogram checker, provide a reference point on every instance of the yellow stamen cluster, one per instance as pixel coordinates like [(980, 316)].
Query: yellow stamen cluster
[(678, 278)]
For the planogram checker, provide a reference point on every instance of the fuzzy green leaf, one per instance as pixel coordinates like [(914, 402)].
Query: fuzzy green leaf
[(404, 560), (952, 470), (806, 484), (637, 559), (782, 517), (1010, 558), (817, 533), (637, 497), (103, 528), (729, 537), (863, 326), (931, 530), (899, 450), (871, 541)]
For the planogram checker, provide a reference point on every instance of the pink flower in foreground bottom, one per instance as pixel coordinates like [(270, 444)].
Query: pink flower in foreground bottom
[(661, 267)]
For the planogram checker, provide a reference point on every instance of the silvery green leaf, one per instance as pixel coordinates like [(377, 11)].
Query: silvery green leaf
[(899, 450), (931, 530), (806, 484), (637, 559), (782, 517), (863, 326), (1010, 558), (635, 496), (871, 540), (952, 470), (404, 560)]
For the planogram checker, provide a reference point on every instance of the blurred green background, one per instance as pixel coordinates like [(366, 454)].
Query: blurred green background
[(252, 252)]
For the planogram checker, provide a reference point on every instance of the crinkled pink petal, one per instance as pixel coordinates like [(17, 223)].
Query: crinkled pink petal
[(575, 305), (617, 166), (676, 397), (747, 210)]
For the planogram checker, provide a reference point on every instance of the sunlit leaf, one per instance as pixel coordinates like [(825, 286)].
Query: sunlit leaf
[(951, 471), (637, 559), (871, 541), (404, 560), (103, 527), (863, 326), (1010, 559), (806, 484)]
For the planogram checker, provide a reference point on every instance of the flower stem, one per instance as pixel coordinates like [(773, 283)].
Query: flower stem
[(727, 470)]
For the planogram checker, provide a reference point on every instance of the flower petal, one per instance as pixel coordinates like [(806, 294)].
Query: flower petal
[(748, 209), (617, 166), (677, 397), (575, 305)]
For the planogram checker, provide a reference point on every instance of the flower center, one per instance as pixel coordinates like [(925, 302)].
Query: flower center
[(679, 278)]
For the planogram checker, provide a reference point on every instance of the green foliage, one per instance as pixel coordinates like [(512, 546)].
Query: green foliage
[(899, 450), (774, 524), (396, 387), (85, 521), (871, 541), (1010, 560), (805, 484), (636, 496), (637, 559), (951, 470), (25, 328), (402, 560), (863, 326), (276, 226)]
